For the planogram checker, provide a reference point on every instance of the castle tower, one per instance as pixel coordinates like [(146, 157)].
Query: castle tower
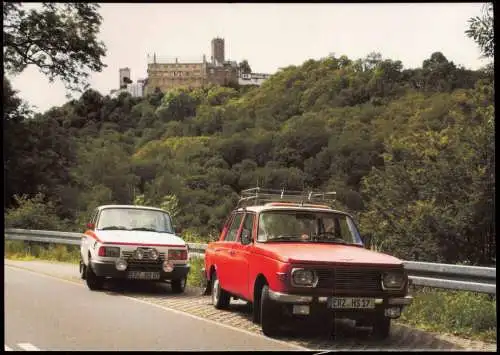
[(124, 73), (218, 51)]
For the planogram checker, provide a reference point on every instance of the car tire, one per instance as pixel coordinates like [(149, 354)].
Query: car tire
[(326, 324), (363, 323), (381, 328), (220, 297), (269, 314), (83, 270), (179, 285), (94, 282)]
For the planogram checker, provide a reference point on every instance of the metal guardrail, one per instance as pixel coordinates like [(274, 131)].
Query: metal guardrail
[(43, 236), (69, 238), (454, 277)]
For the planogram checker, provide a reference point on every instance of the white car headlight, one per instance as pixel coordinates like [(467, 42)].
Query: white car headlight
[(154, 254), (139, 254), (304, 278), (393, 280), (168, 266), (121, 265)]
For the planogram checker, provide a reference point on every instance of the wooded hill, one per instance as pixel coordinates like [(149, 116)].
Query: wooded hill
[(410, 152)]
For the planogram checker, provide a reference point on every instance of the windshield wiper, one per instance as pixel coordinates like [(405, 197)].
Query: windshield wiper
[(144, 229), (323, 237), (114, 228), (284, 238)]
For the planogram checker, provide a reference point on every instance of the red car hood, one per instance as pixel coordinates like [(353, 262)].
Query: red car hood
[(325, 253)]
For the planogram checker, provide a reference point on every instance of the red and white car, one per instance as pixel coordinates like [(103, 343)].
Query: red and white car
[(133, 243), (293, 256)]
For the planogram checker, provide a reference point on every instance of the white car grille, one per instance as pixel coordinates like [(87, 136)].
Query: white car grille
[(147, 258)]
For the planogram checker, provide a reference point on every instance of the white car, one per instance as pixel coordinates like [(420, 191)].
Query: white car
[(133, 243)]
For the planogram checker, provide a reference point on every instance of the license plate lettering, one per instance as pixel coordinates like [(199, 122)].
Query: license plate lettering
[(143, 275), (338, 303), (351, 303)]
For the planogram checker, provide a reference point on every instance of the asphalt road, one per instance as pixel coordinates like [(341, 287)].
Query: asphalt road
[(46, 313)]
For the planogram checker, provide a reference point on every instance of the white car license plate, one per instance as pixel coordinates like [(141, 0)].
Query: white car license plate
[(351, 303), (143, 275)]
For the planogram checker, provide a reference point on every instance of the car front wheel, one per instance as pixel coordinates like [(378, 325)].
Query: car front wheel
[(178, 286), (220, 298), (94, 282), (270, 314), (381, 328)]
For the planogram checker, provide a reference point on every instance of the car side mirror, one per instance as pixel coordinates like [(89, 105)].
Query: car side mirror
[(245, 237), (91, 226), (178, 230)]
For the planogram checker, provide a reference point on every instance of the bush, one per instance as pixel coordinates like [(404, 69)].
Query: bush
[(34, 213), (458, 312), (189, 235)]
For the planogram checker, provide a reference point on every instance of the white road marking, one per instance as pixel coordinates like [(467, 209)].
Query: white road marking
[(28, 347), (165, 308), (7, 348)]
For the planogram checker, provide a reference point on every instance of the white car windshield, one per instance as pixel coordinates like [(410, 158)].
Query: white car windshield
[(307, 226), (134, 219)]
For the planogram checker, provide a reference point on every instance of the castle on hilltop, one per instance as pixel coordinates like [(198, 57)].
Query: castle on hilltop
[(170, 73)]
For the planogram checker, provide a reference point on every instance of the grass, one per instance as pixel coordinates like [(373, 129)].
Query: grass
[(19, 250), (465, 314), (194, 276)]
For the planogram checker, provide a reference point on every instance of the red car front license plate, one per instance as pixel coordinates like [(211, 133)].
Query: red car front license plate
[(351, 303)]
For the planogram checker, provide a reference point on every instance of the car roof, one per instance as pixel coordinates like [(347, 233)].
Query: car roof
[(291, 207), (131, 206)]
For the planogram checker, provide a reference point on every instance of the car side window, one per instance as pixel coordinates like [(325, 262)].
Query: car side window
[(233, 229), (248, 225)]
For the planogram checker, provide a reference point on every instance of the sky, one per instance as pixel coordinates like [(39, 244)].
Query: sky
[(269, 36)]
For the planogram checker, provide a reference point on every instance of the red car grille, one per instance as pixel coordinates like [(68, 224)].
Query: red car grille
[(344, 279)]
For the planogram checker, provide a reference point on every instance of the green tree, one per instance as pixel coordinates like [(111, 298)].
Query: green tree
[(410, 152), (59, 39), (15, 112), (169, 203), (436, 182), (481, 31), (34, 213), (245, 67)]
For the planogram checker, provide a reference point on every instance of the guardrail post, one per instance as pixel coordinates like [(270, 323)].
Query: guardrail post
[(27, 246)]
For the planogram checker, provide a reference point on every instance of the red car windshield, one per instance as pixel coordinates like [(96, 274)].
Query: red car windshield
[(308, 226)]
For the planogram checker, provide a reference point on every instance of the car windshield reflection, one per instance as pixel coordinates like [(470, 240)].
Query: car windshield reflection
[(307, 226), (134, 219)]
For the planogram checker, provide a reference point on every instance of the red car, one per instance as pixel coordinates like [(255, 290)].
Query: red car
[(293, 256)]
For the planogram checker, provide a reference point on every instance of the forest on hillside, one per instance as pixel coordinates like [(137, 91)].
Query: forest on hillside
[(410, 152)]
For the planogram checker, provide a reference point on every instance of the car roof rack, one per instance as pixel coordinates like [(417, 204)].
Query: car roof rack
[(259, 196)]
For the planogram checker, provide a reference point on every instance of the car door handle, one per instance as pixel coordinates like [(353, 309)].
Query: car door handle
[(232, 252)]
